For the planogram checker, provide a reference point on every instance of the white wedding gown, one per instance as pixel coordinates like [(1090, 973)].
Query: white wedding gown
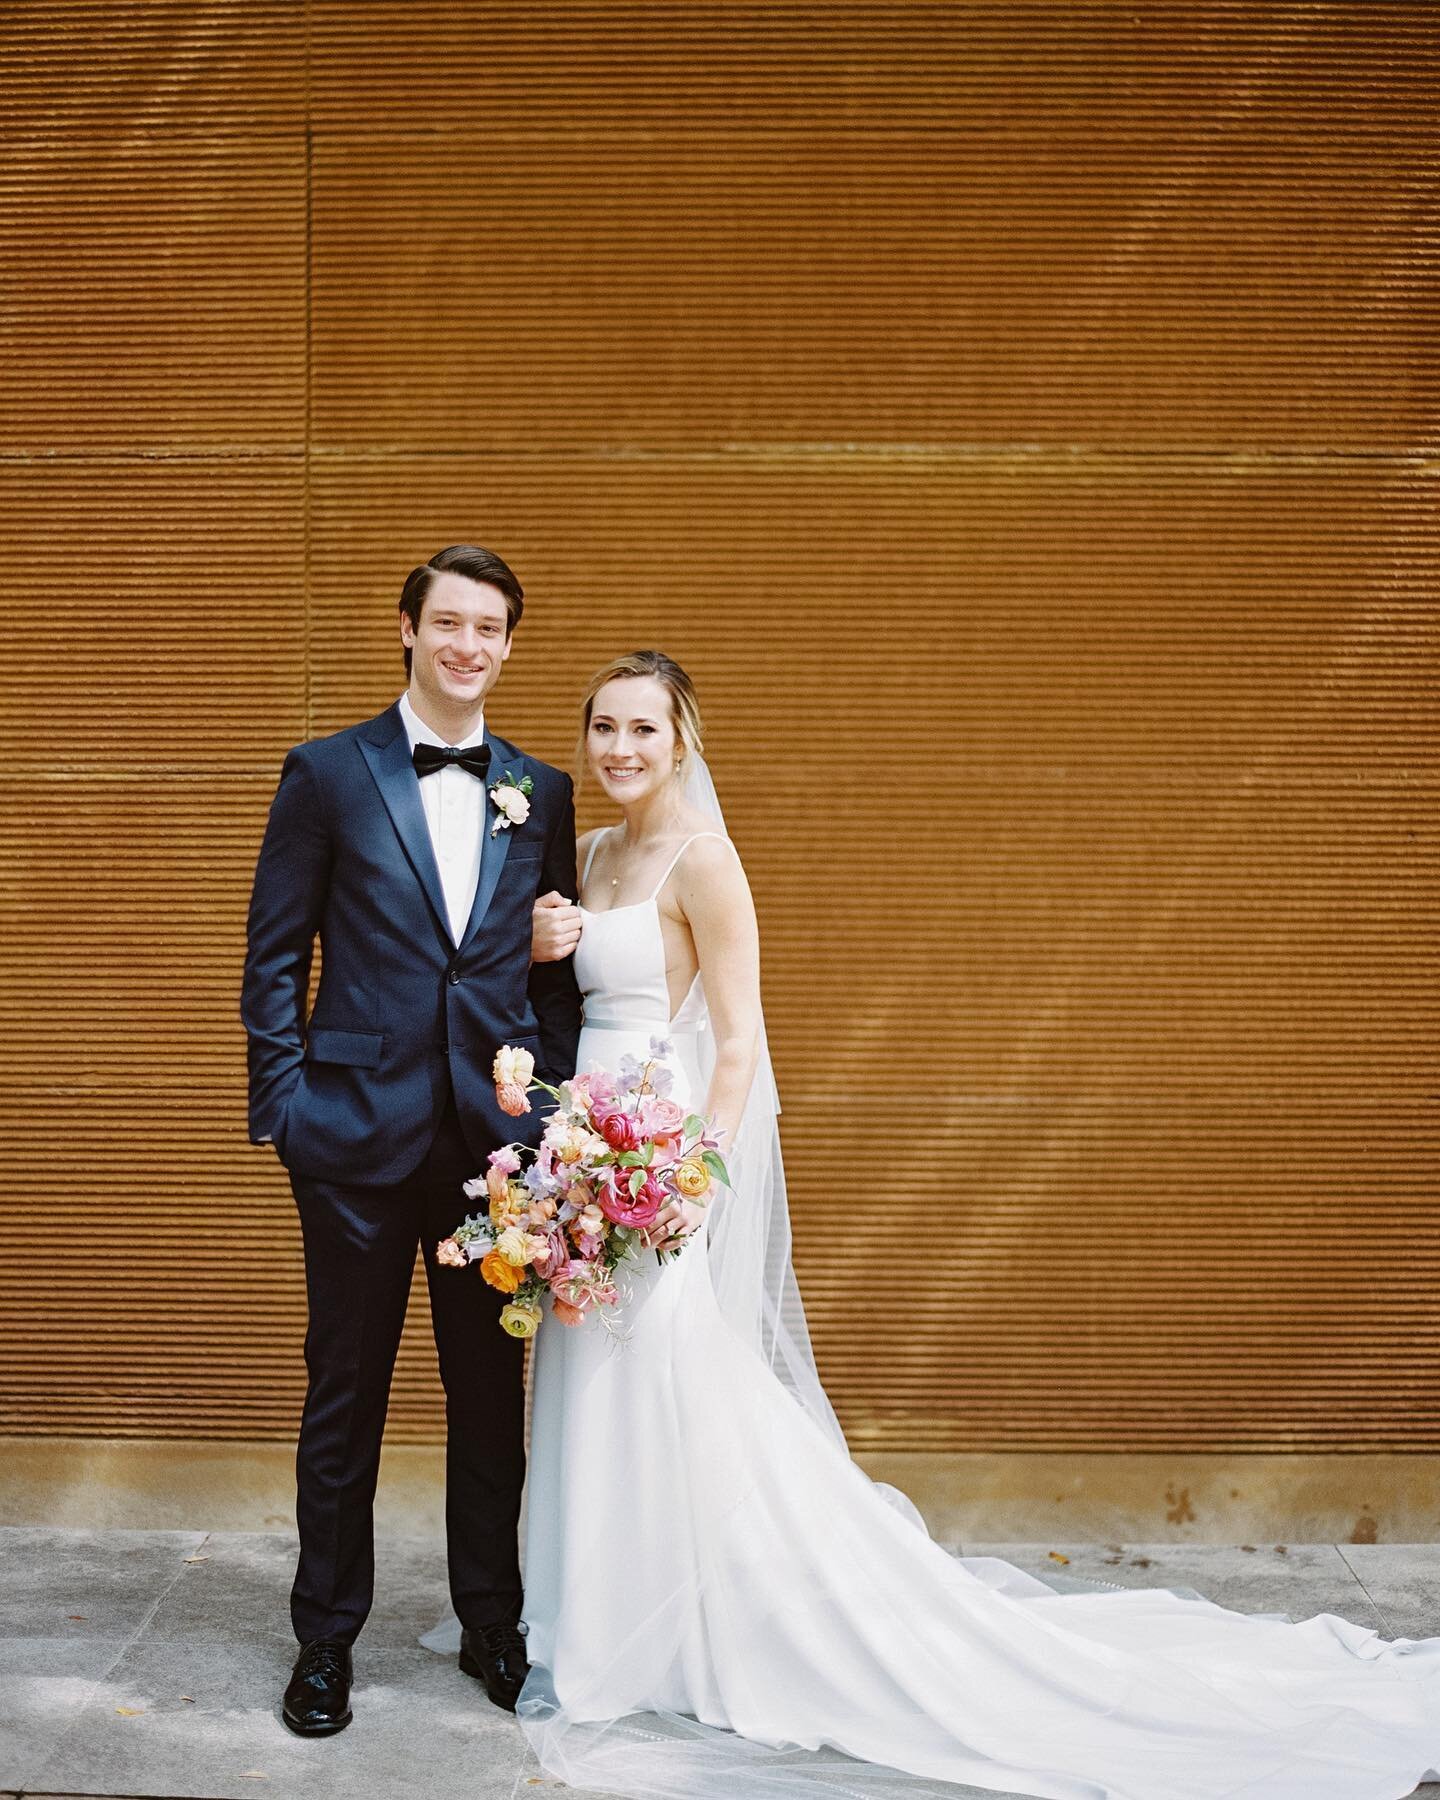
[(720, 1603)]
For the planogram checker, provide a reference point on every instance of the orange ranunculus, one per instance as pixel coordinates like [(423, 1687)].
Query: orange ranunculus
[(506, 1276)]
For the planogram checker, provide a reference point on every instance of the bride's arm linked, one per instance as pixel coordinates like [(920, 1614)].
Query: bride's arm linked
[(713, 899)]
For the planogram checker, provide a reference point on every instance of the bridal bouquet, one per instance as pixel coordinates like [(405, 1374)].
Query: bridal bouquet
[(614, 1152)]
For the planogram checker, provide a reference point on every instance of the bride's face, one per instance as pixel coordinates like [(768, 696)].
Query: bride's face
[(631, 744)]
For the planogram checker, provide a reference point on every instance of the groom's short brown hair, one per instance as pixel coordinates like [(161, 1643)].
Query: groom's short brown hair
[(476, 565)]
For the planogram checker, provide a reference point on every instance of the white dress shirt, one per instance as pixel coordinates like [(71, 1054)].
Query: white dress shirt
[(455, 812)]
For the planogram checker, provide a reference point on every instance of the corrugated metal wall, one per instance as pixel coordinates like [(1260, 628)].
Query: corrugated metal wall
[(1021, 419)]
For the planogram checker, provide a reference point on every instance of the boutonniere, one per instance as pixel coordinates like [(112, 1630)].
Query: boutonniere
[(512, 801)]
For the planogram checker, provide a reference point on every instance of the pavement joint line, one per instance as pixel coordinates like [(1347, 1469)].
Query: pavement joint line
[(1380, 1612), (48, 1759)]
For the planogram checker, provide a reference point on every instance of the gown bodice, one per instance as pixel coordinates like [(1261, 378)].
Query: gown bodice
[(620, 964)]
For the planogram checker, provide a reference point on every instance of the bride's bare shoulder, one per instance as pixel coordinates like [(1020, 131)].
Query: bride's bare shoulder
[(710, 861)]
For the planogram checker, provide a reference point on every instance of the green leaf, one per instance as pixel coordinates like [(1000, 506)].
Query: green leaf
[(714, 1163), (637, 1181), (694, 1125), (647, 1155), (629, 1159)]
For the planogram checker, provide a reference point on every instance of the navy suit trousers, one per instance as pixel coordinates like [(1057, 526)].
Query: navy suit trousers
[(359, 1260)]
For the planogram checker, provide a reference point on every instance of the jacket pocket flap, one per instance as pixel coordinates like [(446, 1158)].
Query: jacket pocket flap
[(361, 1049)]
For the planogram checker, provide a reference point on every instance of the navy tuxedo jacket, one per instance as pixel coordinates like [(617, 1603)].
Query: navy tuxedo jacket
[(355, 1093)]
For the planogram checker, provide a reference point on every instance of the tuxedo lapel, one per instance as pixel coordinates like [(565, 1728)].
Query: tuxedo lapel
[(493, 850), (386, 747)]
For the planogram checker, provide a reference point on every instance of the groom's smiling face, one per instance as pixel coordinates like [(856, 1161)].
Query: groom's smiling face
[(461, 645)]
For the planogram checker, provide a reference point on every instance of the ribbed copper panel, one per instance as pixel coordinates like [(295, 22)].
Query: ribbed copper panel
[(1019, 419)]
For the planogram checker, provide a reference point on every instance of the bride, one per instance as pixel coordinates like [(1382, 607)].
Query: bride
[(719, 1602)]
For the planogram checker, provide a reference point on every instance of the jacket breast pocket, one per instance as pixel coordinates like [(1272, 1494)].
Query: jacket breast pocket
[(358, 1049)]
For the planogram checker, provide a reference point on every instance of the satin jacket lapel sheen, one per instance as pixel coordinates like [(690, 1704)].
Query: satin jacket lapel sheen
[(386, 747), (493, 850)]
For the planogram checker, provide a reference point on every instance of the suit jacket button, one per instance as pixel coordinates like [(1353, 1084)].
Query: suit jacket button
[(454, 978)]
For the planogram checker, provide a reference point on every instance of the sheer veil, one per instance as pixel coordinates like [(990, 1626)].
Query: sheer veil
[(750, 1244)]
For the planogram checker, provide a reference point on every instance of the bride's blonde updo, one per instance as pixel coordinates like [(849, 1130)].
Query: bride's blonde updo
[(684, 707)]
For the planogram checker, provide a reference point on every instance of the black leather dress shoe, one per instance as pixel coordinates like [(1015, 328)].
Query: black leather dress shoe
[(495, 1655), (317, 1700)]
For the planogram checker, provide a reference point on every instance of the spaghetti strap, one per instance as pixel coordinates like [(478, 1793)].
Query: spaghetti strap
[(590, 853), (654, 893)]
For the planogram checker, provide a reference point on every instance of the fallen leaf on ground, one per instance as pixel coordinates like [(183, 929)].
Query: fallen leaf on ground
[(129, 1712), (253, 1775), (78, 1618), (1055, 1556), (197, 1559)]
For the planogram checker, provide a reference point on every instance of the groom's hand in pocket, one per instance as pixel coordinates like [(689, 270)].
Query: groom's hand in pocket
[(554, 928)]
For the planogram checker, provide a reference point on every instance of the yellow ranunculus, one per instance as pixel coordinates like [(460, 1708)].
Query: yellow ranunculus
[(519, 1320), (514, 1245), (692, 1178)]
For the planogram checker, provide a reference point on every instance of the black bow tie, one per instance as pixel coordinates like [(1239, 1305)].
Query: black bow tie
[(427, 758)]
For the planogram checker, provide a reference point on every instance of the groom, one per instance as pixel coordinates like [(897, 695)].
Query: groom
[(389, 840)]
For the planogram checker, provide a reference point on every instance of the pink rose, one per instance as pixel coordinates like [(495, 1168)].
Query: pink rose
[(637, 1210), (662, 1118)]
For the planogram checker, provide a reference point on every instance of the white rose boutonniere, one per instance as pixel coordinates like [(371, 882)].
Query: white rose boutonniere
[(512, 801)]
